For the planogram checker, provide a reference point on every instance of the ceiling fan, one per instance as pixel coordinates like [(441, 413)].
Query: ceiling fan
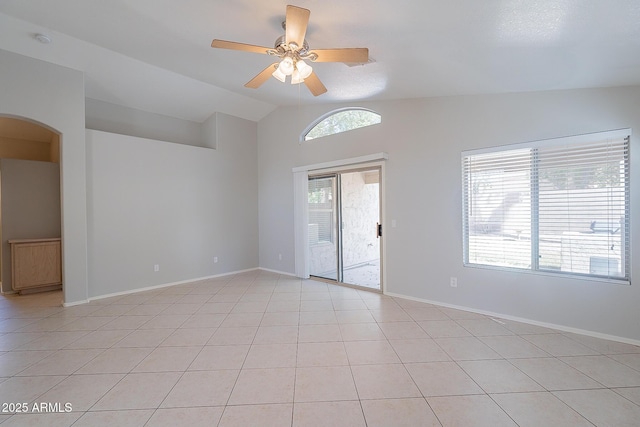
[(292, 51)]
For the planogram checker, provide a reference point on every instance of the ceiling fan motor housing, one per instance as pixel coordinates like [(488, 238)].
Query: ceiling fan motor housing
[(281, 45)]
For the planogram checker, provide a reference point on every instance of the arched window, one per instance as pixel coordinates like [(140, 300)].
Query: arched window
[(338, 121)]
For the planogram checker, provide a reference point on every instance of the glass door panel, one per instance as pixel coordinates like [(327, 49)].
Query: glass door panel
[(323, 229), (360, 216)]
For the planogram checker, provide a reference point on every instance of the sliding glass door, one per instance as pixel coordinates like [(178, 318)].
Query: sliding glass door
[(344, 227)]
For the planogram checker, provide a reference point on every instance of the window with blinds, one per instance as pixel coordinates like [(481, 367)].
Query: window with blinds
[(556, 206)]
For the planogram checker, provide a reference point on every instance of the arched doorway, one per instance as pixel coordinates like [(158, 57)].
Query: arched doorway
[(30, 202)]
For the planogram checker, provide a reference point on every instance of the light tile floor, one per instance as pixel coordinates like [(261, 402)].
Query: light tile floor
[(260, 349)]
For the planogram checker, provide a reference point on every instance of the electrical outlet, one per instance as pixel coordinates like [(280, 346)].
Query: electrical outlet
[(453, 282), (156, 267), (215, 259), (279, 257)]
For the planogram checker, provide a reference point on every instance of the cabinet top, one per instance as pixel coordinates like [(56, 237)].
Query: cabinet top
[(51, 239)]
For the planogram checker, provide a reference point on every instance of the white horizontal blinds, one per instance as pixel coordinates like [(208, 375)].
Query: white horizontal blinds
[(558, 205), (321, 200), (583, 210), (498, 208)]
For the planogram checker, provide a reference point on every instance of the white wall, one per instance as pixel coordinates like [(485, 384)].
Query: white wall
[(178, 206), (113, 118), (54, 96), (424, 139), (30, 205)]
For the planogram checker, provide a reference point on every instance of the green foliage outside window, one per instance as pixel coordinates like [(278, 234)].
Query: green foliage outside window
[(343, 121)]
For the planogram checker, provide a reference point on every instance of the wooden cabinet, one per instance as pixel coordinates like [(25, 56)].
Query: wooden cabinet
[(36, 264)]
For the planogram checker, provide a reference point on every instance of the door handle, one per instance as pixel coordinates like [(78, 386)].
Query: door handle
[(378, 230)]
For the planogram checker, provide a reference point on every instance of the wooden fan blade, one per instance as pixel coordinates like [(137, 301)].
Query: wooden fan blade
[(262, 77), (296, 24), (223, 44), (315, 85), (358, 55)]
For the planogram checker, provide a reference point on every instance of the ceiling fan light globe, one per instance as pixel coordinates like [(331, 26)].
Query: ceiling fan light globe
[(304, 69), (296, 78), (279, 75), (286, 66)]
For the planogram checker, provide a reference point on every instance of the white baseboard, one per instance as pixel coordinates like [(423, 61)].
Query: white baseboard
[(284, 273), (71, 304), (155, 287), (165, 285), (523, 320)]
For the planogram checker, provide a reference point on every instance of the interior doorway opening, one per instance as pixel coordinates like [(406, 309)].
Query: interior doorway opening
[(30, 206), (344, 227)]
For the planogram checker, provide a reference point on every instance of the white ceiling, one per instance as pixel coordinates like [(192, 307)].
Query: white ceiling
[(155, 55)]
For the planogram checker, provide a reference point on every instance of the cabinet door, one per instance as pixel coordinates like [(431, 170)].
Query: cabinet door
[(36, 264)]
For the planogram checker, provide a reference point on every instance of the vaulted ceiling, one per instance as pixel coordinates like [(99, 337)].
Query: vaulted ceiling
[(155, 55)]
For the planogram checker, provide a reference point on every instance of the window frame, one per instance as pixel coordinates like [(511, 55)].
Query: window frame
[(325, 116), (534, 267)]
